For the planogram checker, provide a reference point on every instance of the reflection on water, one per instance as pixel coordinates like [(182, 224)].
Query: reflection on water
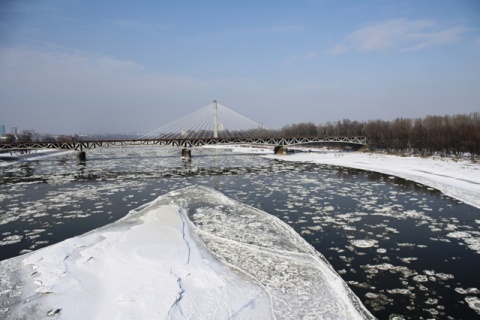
[(403, 248)]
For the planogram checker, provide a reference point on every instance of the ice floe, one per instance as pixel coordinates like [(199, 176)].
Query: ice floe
[(364, 243), (233, 261), (474, 303)]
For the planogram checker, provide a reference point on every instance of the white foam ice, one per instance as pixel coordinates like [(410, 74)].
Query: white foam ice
[(234, 262)]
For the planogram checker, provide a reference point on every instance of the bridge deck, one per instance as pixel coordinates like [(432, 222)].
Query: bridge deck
[(186, 143)]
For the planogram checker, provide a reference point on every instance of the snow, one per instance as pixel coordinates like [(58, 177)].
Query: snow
[(155, 263)]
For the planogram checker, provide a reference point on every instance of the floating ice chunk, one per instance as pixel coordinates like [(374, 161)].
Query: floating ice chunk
[(408, 259), (315, 228), (429, 272), (467, 291), (11, 240), (406, 244), (8, 219), (444, 276), (364, 243), (474, 303), (420, 278), (399, 291), (415, 214), (459, 234), (328, 209), (473, 243)]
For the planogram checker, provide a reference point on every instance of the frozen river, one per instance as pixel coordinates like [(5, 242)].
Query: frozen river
[(403, 248)]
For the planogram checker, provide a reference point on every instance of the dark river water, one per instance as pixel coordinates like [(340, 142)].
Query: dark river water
[(406, 250)]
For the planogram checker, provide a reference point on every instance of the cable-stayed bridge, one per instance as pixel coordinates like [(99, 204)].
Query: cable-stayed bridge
[(211, 121), (211, 125)]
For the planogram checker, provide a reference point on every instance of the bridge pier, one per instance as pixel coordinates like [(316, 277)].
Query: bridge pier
[(186, 154), (81, 156), (282, 150)]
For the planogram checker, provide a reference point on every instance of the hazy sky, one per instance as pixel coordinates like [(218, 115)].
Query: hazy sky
[(81, 66)]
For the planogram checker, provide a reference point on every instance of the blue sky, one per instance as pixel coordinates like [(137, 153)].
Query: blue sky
[(82, 66)]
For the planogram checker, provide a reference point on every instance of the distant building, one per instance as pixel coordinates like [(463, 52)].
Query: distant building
[(2, 130), (14, 130)]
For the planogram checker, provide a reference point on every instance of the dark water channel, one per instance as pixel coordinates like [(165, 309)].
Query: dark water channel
[(405, 249)]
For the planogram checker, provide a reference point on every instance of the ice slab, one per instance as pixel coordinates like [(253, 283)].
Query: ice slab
[(232, 261)]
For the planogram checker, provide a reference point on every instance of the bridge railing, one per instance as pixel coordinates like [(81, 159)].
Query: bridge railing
[(186, 143)]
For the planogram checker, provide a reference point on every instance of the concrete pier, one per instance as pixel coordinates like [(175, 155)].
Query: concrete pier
[(82, 156), (282, 150), (186, 154)]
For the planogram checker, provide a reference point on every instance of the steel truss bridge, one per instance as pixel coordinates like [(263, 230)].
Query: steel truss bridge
[(184, 143)]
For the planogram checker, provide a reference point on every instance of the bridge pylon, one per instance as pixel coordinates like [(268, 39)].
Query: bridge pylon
[(280, 150), (81, 156), (186, 154), (215, 119)]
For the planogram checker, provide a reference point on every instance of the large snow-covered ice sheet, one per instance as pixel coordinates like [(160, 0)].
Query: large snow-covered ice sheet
[(152, 264), (145, 266), (298, 280)]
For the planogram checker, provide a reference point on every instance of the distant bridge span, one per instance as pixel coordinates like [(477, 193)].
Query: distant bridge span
[(200, 128), (185, 143)]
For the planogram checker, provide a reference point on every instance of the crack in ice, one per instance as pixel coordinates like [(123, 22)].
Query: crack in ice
[(179, 278)]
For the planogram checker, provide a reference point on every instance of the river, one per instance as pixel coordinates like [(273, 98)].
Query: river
[(405, 249)]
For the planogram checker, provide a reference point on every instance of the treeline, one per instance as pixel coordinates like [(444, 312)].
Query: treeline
[(445, 135)]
